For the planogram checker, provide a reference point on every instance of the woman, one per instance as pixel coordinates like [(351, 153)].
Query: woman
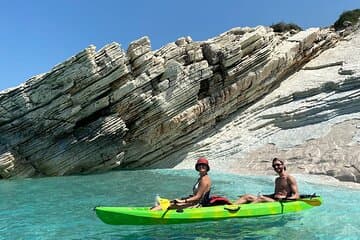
[(201, 189)]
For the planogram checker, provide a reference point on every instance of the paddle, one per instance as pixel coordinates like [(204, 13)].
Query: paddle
[(164, 203), (312, 202)]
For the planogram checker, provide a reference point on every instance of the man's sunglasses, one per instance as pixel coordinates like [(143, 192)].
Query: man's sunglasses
[(277, 165)]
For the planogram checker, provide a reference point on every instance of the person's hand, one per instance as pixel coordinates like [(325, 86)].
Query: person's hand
[(279, 196), (179, 201)]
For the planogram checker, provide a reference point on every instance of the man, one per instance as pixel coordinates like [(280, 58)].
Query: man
[(285, 187)]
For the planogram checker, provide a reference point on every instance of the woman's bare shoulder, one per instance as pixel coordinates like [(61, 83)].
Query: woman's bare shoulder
[(206, 179)]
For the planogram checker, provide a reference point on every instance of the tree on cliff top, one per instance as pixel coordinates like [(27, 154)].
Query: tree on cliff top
[(350, 16), (285, 27)]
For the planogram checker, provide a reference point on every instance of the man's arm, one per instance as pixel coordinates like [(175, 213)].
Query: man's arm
[(294, 188)]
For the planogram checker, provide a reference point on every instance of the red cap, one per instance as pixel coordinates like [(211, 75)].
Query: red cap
[(202, 160)]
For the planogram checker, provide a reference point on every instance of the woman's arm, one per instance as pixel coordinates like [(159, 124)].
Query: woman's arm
[(204, 185)]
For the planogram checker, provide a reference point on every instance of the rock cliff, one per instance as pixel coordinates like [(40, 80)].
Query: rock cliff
[(239, 99)]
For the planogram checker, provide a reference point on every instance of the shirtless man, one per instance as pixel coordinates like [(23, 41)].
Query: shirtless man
[(285, 187)]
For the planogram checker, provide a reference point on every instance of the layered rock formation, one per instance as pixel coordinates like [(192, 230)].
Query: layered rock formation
[(226, 98), (311, 120)]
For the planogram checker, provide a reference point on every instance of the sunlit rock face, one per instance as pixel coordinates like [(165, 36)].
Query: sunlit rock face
[(239, 99)]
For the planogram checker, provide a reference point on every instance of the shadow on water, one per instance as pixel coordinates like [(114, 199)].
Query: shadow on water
[(249, 228)]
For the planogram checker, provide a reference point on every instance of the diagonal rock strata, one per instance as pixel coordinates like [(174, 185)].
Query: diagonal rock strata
[(139, 108)]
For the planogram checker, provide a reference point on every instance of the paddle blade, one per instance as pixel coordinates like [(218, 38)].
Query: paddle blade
[(164, 203), (312, 202)]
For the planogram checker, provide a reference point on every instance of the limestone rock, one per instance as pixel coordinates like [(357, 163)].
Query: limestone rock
[(237, 98)]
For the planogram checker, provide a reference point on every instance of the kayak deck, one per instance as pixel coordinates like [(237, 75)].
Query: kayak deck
[(144, 216)]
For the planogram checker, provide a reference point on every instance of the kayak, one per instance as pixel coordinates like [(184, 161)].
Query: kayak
[(144, 216)]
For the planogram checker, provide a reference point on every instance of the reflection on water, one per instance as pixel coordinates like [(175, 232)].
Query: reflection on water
[(61, 208), (227, 229)]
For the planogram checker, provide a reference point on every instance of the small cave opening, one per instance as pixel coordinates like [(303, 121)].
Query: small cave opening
[(204, 89)]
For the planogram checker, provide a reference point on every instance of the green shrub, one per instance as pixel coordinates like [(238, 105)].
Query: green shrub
[(351, 16), (285, 27)]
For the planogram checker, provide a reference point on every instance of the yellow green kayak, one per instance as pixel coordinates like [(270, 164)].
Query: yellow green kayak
[(144, 216)]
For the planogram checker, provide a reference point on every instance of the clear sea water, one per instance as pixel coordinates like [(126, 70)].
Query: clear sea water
[(62, 208)]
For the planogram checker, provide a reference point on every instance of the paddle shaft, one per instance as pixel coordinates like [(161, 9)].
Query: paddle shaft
[(312, 202)]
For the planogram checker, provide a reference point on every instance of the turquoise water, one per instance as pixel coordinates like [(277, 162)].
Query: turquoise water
[(61, 208)]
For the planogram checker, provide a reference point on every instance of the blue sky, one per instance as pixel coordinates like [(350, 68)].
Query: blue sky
[(35, 35)]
